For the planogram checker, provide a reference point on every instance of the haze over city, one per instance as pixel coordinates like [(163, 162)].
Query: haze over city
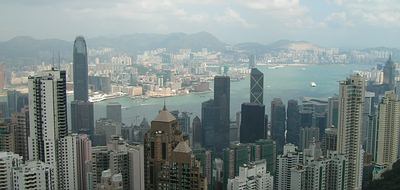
[(337, 23)]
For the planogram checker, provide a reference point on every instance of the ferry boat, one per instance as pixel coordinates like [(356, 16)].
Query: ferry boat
[(275, 67), (97, 97), (313, 84)]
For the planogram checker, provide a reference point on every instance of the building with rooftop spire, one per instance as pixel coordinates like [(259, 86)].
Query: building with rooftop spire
[(169, 161), (389, 73)]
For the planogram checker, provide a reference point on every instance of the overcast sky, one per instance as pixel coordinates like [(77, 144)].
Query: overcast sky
[(339, 23)]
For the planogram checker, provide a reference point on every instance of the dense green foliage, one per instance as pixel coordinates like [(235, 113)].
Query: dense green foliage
[(390, 181)]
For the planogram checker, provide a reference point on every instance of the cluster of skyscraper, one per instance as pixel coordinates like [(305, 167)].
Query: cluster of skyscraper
[(317, 144)]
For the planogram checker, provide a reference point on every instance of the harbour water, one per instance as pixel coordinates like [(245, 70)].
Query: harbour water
[(286, 82)]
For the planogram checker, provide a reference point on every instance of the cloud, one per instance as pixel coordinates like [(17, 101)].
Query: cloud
[(290, 13), (141, 10), (338, 18), (372, 12), (231, 16), (281, 8)]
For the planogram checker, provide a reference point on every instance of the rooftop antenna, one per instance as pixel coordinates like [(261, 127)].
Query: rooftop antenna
[(59, 61), (165, 107), (52, 61)]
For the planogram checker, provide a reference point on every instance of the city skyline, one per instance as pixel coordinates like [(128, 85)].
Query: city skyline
[(146, 107)]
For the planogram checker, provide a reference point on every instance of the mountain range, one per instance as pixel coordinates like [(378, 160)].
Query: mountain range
[(26, 50)]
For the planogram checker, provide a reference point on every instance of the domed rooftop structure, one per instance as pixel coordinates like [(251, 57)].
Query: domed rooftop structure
[(164, 116)]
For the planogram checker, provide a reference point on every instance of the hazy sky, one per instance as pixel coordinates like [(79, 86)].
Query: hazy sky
[(340, 23)]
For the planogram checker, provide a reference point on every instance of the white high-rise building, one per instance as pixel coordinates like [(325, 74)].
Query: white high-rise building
[(290, 158), (34, 175), (67, 159), (110, 181), (136, 168), (47, 118), (318, 172), (8, 161), (336, 172), (253, 176), (351, 97), (388, 130)]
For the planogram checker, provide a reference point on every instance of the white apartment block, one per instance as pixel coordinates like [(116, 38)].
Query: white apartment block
[(351, 106), (8, 161), (33, 175), (253, 176), (67, 158), (290, 158), (388, 130), (47, 117)]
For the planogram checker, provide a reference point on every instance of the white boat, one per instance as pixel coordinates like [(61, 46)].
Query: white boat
[(275, 67), (97, 98), (313, 84)]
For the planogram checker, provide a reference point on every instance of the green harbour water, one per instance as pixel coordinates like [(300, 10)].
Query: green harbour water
[(289, 82)]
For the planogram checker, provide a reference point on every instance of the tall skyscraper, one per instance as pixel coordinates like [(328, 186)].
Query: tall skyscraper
[(389, 73), (278, 123), (215, 116), (81, 108), (47, 117), (256, 86), (2, 76), (183, 121), (369, 129), (252, 122), (68, 163), (351, 97), (252, 61), (265, 149), (333, 106), (6, 137), (80, 69), (206, 158), (105, 129), (308, 135), (197, 132), (100, 162), (82, 120), (209, 118), (388, 130), (330, 140), (169, 161), (293, 122), (16, 101), (234, 157), (113, 110), (20, 123), (222, 101), (84, 158)]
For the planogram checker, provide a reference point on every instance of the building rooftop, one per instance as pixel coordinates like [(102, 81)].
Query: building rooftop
[(164, 116), (182, 147)]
